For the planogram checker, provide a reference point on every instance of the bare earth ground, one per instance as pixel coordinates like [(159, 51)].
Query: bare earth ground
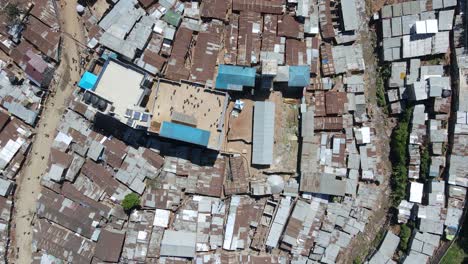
[(29, 180), (239, 137), (286, 130)]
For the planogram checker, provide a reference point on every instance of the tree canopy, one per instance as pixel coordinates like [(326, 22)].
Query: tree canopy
[(131, 201)]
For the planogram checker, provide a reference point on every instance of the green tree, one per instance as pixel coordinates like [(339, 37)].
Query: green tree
[(425, 162), (131, 201), (383, 73), (405, 234), (12, 10), (357, 260), (399, 157)]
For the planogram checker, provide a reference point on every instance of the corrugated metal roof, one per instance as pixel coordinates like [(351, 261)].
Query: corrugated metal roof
[(215, 9), (450, 3), (172, 18), (263, 133), (386, 11), (235, 77), (21, 112), (260, 6), (348, 58), (446, 19), (397, 78), (205, 54), (396, 27), (277, 227), (299, 76), (408, 22), (389, 245), (386, 28), (307, 129), (122, 16), (184, 133)]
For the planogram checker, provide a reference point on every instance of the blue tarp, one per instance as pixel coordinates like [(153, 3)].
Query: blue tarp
[(88, 80), (299, 76), (235, 77), (184, 133)]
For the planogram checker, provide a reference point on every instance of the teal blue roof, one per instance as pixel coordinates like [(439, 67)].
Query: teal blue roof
[(299, 76), (235, 77), (87, 81), (184, 133)]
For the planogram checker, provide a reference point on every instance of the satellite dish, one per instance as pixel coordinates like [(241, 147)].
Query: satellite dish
[(276, 183)]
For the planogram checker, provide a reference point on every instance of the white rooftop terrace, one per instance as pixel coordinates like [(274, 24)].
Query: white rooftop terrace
[(121, 86)]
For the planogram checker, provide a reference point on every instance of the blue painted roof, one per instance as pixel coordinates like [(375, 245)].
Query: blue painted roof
[(299, 76), (235, 77), (184, 133), (88, 80)]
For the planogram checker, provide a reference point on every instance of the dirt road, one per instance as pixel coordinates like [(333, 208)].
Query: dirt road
[(29, 180)]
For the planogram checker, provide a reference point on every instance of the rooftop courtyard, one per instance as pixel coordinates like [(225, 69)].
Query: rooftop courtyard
[(189, 105)]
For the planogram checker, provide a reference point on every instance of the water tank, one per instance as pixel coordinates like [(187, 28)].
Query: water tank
[(102, 105), (94, 100), (80, 9), (276, 183), (87, 98), (446, 93)]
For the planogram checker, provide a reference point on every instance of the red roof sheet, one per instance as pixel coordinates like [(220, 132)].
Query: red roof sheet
[(335, 102), (37, 69), (4, 118), (146, 3), (109, 245), (290, 27), (328, 66), (44, 10), (41, 36), (260, 6), (249, 43), (296, 52), (205, 54), (18, 54), (269, 37), (230, 39), (328, 123), (326, 23), (215, 9), (176, 69)]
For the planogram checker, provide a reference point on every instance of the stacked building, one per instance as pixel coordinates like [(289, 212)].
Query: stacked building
[(416, 41)]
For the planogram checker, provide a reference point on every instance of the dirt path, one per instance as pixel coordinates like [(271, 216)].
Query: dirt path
[(29, 180)]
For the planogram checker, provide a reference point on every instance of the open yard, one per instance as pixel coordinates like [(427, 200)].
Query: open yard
[(286, 131), (286, 135)]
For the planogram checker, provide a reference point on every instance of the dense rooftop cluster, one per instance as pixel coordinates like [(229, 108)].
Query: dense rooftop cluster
[(243, 126), (198, 203), (437, 189)]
